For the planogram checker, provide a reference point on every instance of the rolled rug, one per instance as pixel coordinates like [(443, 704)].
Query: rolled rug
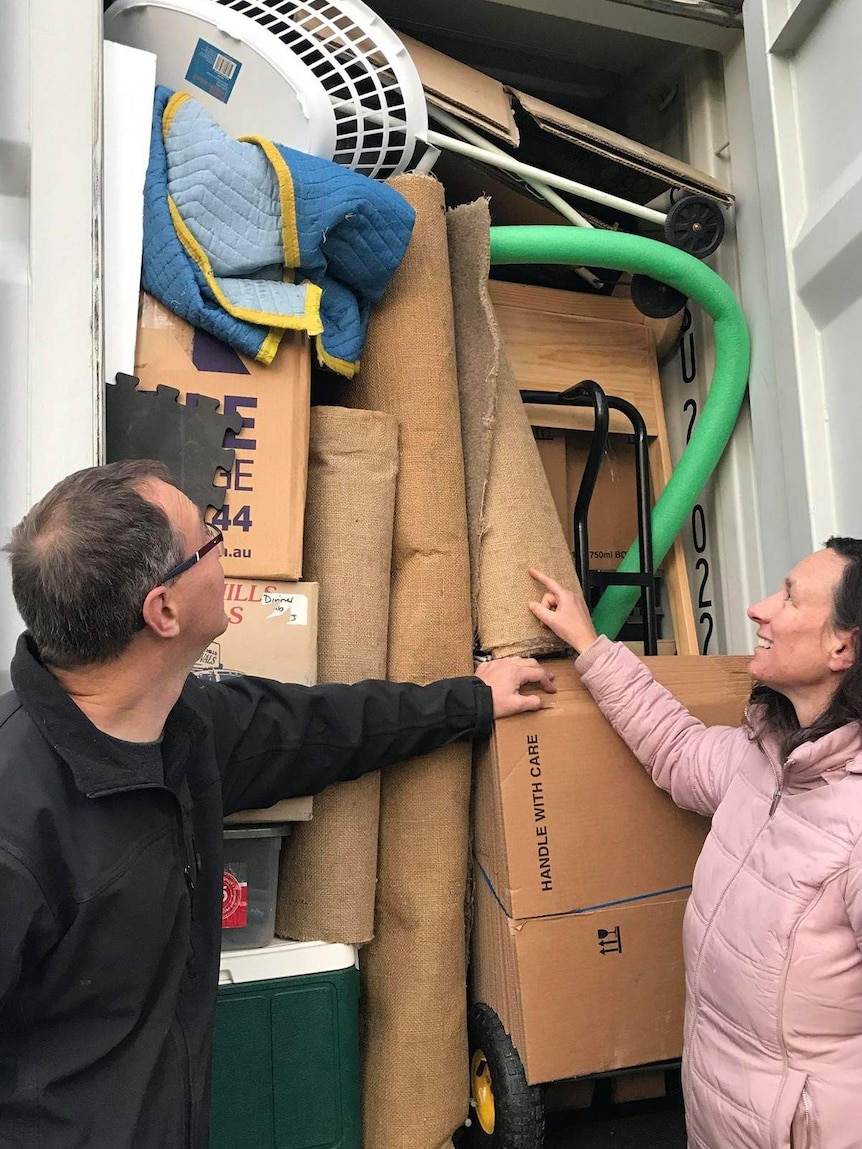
[(512, 519), (414, 971), (350, 507)]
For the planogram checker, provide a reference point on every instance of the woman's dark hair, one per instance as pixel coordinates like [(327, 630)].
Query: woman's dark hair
[(86, 556), (777, 713)]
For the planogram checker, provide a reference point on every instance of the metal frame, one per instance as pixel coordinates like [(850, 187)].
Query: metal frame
[(585, 394)]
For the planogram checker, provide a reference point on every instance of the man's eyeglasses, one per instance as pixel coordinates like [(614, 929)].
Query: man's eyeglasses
[(216, 539)]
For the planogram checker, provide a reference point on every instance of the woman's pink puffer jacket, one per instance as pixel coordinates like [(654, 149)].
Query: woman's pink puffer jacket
[(773, 928)]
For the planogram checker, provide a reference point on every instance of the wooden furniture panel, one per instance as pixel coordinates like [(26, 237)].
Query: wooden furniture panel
[(554, 339)]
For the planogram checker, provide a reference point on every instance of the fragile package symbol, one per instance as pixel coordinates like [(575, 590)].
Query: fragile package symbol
[(610, 941), (234, 899)]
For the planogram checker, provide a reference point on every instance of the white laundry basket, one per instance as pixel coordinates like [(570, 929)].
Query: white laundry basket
[(327, 78)]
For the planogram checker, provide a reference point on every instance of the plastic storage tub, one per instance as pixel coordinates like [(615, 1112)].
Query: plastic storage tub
[(250, 885), (286, 1050)]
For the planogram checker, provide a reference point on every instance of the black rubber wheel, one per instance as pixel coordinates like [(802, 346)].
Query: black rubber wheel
[(655, 299), (695, 224), (506, 1112)]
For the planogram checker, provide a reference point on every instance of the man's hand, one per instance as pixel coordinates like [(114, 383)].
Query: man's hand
[(565, 612), (506, 676)]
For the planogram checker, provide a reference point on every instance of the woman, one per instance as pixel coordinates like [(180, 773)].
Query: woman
[(773, 928)]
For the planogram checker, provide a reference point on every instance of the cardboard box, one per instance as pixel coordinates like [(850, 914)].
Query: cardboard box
[(262, 519), (565, 817), (483, 102), (583, 868), (572, 1007), (272, 632), (612, 522)]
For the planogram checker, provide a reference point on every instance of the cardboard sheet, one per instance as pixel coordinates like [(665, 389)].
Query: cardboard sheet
[(583, 133), (484, 103), (477, 99)]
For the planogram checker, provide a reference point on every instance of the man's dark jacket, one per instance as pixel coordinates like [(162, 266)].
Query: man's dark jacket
[(111, 883)]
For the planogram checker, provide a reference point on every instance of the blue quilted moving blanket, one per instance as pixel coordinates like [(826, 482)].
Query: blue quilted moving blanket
[(249, 238)]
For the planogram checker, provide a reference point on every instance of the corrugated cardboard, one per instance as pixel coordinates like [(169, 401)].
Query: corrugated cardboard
[(474, 97), (262, 520), (612, 521), (576, 130), (272, 632), (573, 1008), (583, 868), (485, 103), (565, 816)]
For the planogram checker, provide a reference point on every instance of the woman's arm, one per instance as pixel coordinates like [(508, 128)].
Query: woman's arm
[(692, 762)]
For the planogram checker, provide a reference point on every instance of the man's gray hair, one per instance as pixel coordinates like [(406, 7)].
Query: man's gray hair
[(86, 556)]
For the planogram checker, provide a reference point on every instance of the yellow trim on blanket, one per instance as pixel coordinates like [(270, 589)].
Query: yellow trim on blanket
[(287, 196), (269, 346), (170, 110), (309, 321), (342, 366)]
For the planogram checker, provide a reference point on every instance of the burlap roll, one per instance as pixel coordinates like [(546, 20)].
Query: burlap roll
[(477, 345), (413, 973), (329, 865), (513, 523)]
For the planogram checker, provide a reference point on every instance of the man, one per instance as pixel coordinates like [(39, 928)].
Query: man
[(116, 771)]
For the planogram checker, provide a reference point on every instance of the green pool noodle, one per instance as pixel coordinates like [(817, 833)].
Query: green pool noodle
[(597, 248)]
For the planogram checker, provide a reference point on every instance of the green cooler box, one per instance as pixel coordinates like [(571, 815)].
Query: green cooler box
[(286, 1055)]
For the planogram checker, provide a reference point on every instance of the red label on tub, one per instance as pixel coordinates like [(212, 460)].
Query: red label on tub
[(234, 902)]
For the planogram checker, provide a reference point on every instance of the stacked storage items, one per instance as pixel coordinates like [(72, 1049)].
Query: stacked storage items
[(286, 1011), (435, 377)]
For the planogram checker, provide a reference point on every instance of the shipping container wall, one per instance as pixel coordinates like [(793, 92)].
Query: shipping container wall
[(50, 256), (804, 298), (773, 115), (680, 106)]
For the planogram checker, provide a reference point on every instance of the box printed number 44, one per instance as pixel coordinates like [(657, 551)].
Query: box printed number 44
[(224, 520)]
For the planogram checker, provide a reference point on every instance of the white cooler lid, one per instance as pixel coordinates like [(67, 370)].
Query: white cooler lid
[(284, 959)]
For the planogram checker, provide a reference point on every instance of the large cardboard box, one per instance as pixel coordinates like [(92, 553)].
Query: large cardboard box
[(262, 519), (583, 868), (584, 993), (271, 632), (612, 524)]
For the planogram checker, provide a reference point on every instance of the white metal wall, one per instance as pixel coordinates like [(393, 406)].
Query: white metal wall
[(780, 123), (722, 536), (50, 256), (682, 107), (805, 91)]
